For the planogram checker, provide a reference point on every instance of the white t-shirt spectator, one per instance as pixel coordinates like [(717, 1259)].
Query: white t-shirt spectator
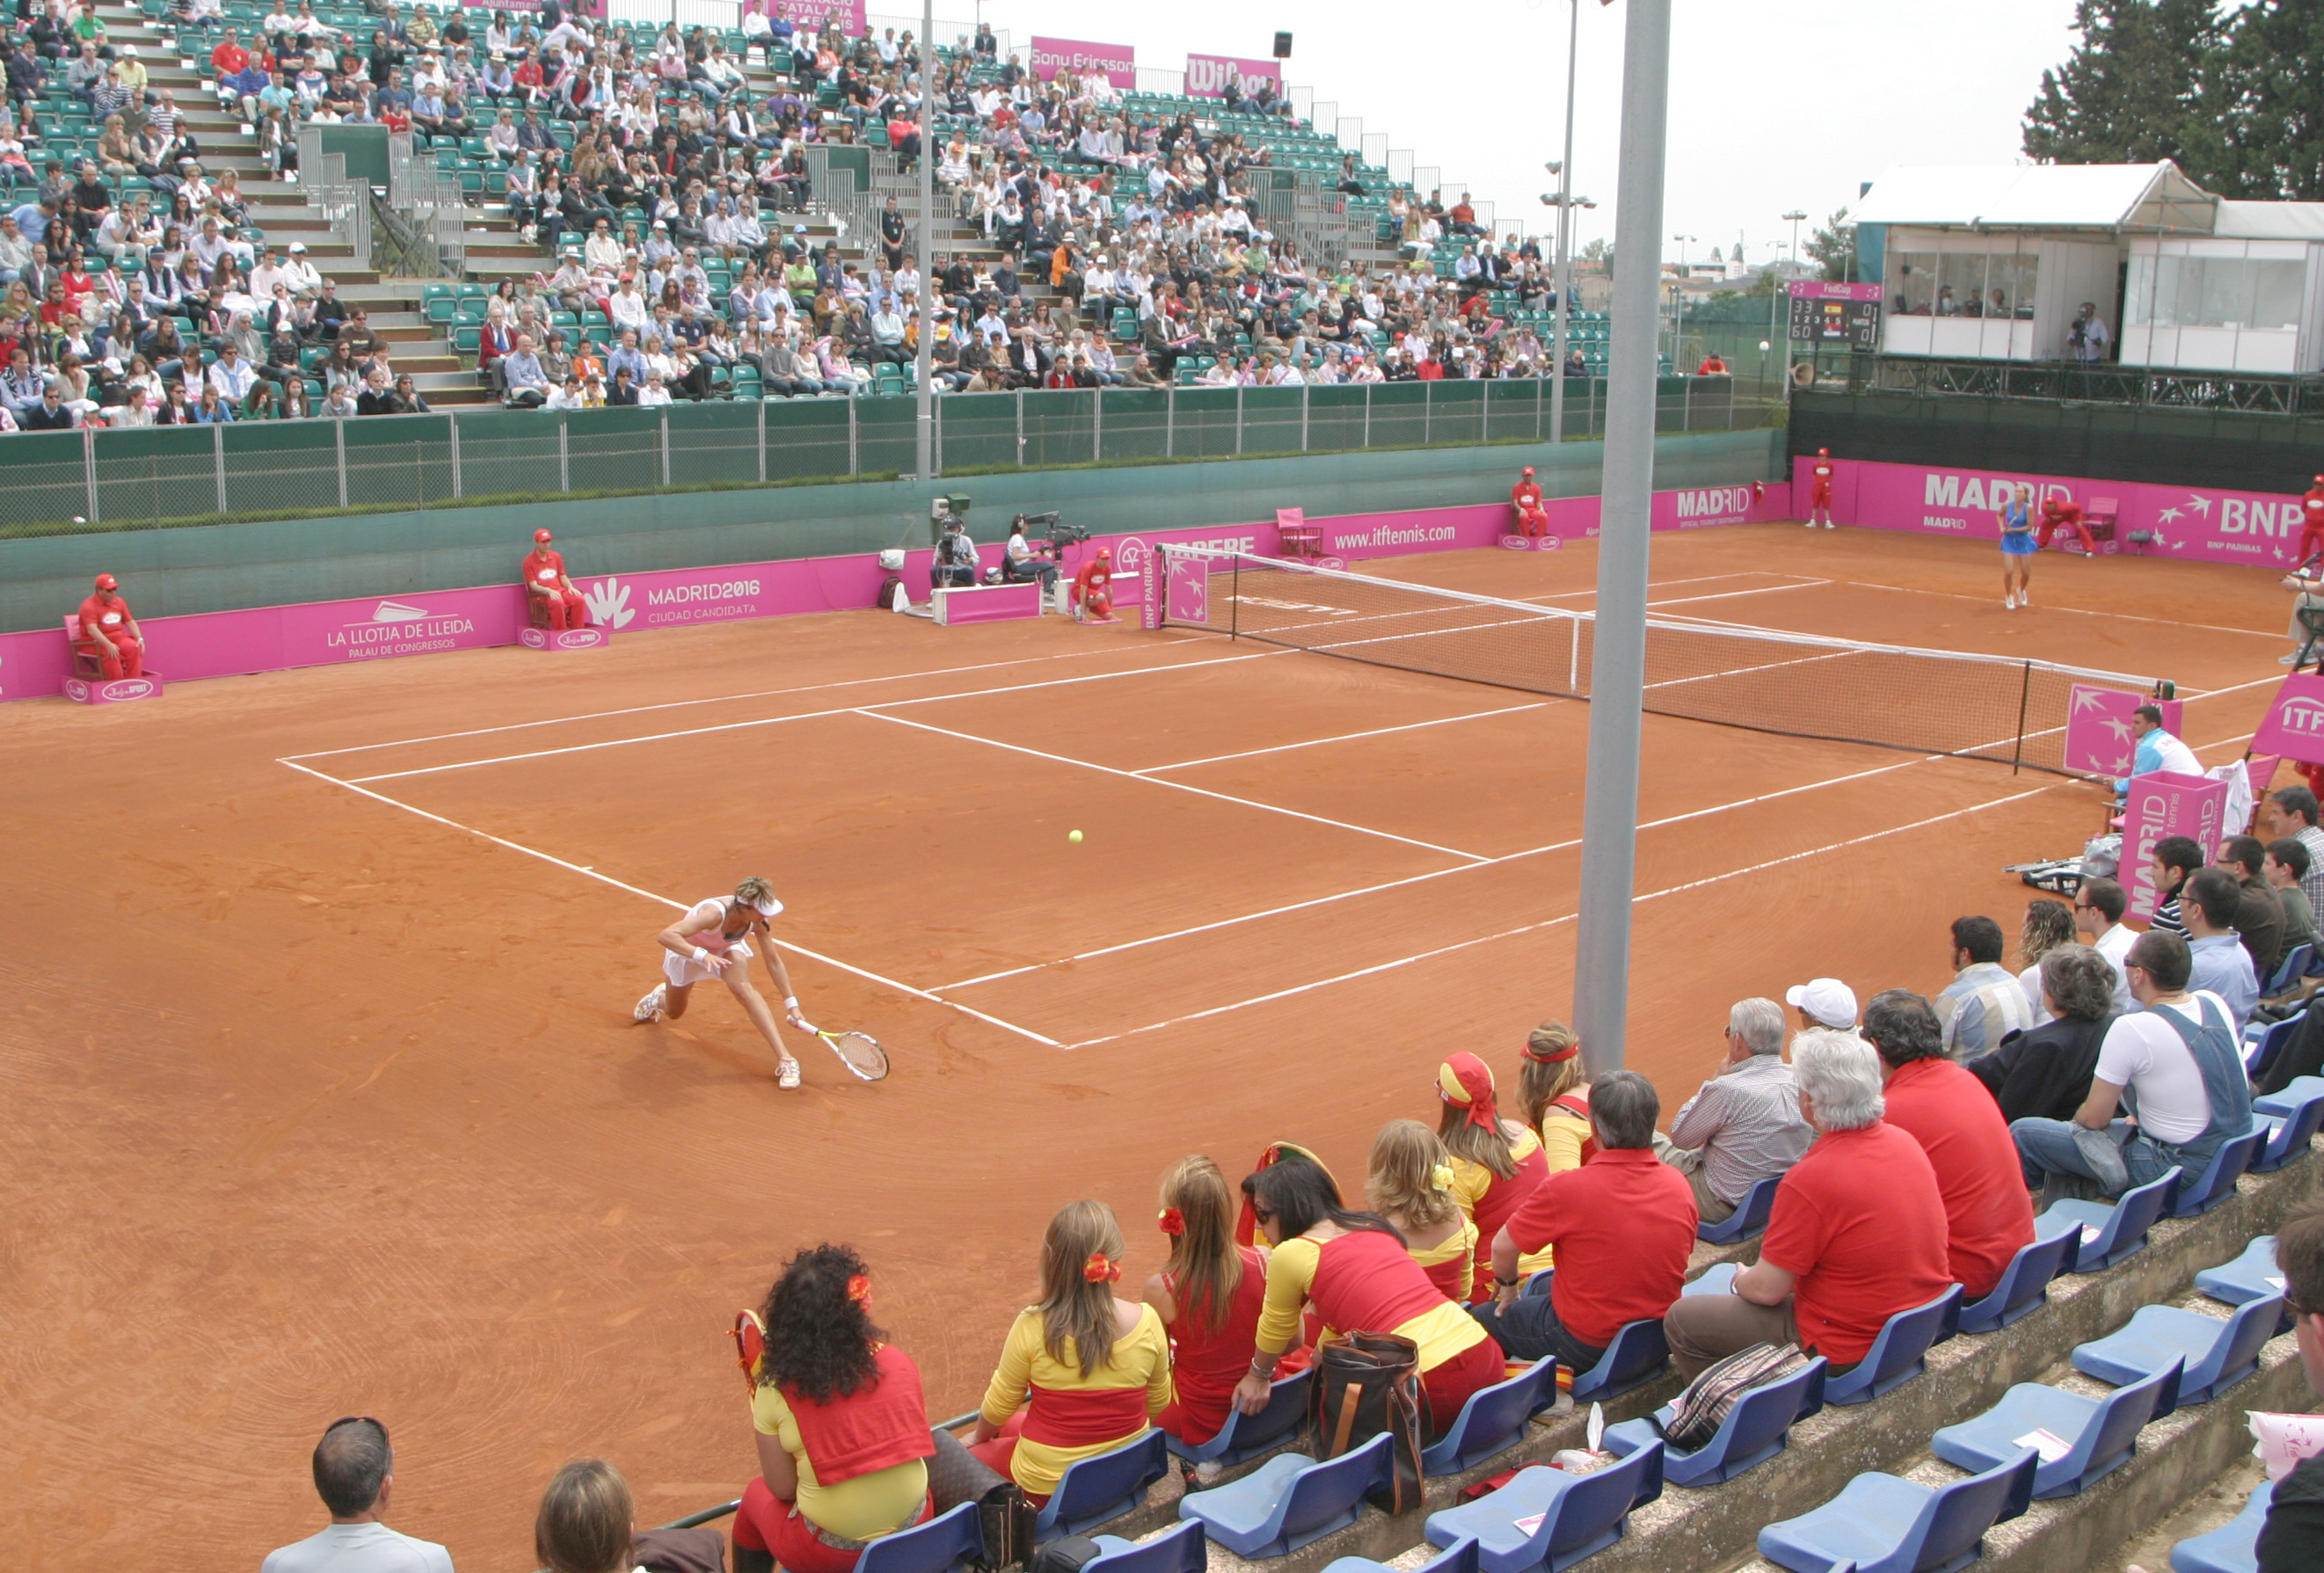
[(358, 1548), (2145, 1053)]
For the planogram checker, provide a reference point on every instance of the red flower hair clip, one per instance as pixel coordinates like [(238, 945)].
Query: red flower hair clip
[(1101, 1269), (859, 1289), (1174, 1222)]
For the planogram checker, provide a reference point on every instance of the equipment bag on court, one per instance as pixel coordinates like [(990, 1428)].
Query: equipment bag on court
[(1366, 1384), (1697, 1412)]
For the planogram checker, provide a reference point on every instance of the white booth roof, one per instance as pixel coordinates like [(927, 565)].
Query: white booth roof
[(2270, 220), (2114, 197)]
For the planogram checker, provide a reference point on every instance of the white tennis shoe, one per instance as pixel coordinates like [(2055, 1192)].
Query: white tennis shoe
[(650, 1007), (787, 1074)]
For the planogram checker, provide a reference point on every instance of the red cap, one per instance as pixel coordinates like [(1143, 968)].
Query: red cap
[(1528, 470), (541, 535), (1823, 452), (1105, 553), (107, 581)]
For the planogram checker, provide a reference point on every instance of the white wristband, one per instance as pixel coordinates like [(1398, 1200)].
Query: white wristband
[(790, 1002), (700, 954)]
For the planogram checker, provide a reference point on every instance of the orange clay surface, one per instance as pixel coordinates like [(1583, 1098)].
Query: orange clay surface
[(321, 1103)]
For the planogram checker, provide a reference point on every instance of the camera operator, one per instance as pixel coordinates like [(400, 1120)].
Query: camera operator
[(956, 560), (1023, 562)]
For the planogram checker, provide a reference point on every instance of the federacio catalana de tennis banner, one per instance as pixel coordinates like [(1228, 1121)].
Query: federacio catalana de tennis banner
[(2198, 523)]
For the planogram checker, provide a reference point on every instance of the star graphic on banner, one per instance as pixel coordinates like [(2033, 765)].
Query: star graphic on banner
[(2119, 727), (2162, 540), (2168, 516), (2122, 762), (2089, 699), (2200, 504)]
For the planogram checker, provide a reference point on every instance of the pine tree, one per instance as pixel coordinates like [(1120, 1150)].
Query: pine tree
[(2131, 91), (1832, 247), (2261, 131)]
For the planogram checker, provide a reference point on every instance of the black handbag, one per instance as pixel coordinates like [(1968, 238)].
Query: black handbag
[(1366, 1384), (956, 1475)]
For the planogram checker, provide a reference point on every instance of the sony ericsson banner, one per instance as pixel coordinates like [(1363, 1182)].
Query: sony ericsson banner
[(1117, 61)]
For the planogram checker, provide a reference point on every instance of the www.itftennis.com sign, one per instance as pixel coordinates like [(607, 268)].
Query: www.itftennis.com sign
[(2294, 727)]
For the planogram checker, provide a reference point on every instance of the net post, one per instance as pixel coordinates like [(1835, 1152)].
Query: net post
[(1234, 602), (2025, 698), (1609, 824)]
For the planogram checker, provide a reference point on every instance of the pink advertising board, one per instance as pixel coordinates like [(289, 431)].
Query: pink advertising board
[(2099, 737), (1207, 76), (34, 664), (1118, 61), (2294, 727), (2198, 523), (808, 16), (2164, 805)]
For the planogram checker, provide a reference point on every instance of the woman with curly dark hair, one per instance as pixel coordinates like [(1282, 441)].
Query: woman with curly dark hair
[(840, 1420)]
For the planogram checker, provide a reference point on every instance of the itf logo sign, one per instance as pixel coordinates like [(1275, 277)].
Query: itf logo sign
[(2294, 727)]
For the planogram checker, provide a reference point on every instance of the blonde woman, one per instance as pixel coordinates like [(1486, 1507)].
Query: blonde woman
[(1496, 1162), (714, 940), (1555, 1095), (1083, 1371), (1411, 1186), (1209, 1296)]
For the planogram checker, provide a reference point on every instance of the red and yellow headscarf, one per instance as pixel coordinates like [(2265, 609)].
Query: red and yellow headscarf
[(1464, 1081)]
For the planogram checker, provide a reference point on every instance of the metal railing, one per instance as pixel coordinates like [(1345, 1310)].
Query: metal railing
[(70, 482), (2079, 382), (432, 202), (342, 203)]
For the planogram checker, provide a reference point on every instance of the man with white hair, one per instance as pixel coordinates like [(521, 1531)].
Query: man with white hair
[(1743, 1126), (1858, 1232), (1824, 1002)]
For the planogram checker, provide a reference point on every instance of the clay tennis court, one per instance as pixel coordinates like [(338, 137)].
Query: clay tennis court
[(326, 1100)]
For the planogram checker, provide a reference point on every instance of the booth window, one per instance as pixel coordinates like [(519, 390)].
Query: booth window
[(2184, 291), (1966, 283)]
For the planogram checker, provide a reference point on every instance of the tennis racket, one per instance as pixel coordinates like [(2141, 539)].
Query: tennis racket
[(750, 1344), (860, 1051)]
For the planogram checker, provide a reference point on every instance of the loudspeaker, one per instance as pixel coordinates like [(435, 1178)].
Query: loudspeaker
[(1282, 46)]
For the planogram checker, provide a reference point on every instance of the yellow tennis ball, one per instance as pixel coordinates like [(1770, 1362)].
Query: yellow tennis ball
[(1074, 836)]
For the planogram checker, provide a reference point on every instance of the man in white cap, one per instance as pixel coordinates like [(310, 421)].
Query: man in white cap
[(1824, 1002), (300, 274), (712, 940)]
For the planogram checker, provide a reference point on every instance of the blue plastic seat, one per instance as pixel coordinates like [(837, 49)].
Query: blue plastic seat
[(1754, 1431), (2121, 1227), (1461, 1557), (2215, 1354), (946, 1543), (1715, 1279), (2288, 971), (1493, 1419), (1290, 1500), (2288, 1134), (2102, 1432), (1898, 1354), (1245, 1437), (1637, 1355), (1886, 1525), (1747, 1219), (1548, 1519), (2277, 1104), (2024, 1284), (1179, 1549), (2253, 1275), (1099, 1489), (2265, 1040), (2217, 1182), (2233, 1547)]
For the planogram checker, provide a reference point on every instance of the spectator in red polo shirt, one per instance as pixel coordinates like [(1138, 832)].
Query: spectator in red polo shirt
[(1989, 1216), (1622, 1225), (1857, 1234)]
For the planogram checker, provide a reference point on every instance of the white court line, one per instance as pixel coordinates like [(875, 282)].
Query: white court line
[(1436, 874), (1734, 594), (1459, 945), (1662, 584), (1174, 785), (726, 698), (2076, 610), (1347, 737), (666, 901), (809, 715)]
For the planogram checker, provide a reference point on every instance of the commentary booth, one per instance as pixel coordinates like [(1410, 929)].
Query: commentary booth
[(1994, 263)]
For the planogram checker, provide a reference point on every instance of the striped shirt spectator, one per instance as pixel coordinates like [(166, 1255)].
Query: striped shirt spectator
[(1984, 1003)]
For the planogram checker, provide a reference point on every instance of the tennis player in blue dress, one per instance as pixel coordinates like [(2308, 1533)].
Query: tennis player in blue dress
[(2017, 548)]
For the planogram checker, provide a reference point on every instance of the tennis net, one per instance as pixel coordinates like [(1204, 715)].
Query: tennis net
[(1894, 696)]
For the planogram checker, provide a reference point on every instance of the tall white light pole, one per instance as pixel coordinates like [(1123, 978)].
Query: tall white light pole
[(924, 396), (1561, 266), (1792, 218)]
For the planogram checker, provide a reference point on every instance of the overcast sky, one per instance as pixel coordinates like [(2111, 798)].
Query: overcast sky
[(1775, 103)]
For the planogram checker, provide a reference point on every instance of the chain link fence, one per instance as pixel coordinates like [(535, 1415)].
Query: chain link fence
[(62, 482)]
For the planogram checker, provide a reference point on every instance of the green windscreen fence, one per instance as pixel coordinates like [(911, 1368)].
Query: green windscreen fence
[(68, 482)]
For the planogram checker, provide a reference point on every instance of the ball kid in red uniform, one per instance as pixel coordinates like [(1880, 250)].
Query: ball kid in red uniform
[(1092, 589), (107, 623), (546, 583), (1525, 497)]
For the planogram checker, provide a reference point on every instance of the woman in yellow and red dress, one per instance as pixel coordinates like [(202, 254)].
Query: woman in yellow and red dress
[(841, 1423), (1081, 1372), (1496, 1162), (1411, 1186), (1556, 1097), (1355, 1268), (1209, 1296)]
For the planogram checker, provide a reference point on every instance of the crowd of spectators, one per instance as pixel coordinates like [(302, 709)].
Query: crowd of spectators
[(1118, 246), (1915, 1141)]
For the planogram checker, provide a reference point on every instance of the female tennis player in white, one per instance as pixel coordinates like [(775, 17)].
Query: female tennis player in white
[(713, 940)]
